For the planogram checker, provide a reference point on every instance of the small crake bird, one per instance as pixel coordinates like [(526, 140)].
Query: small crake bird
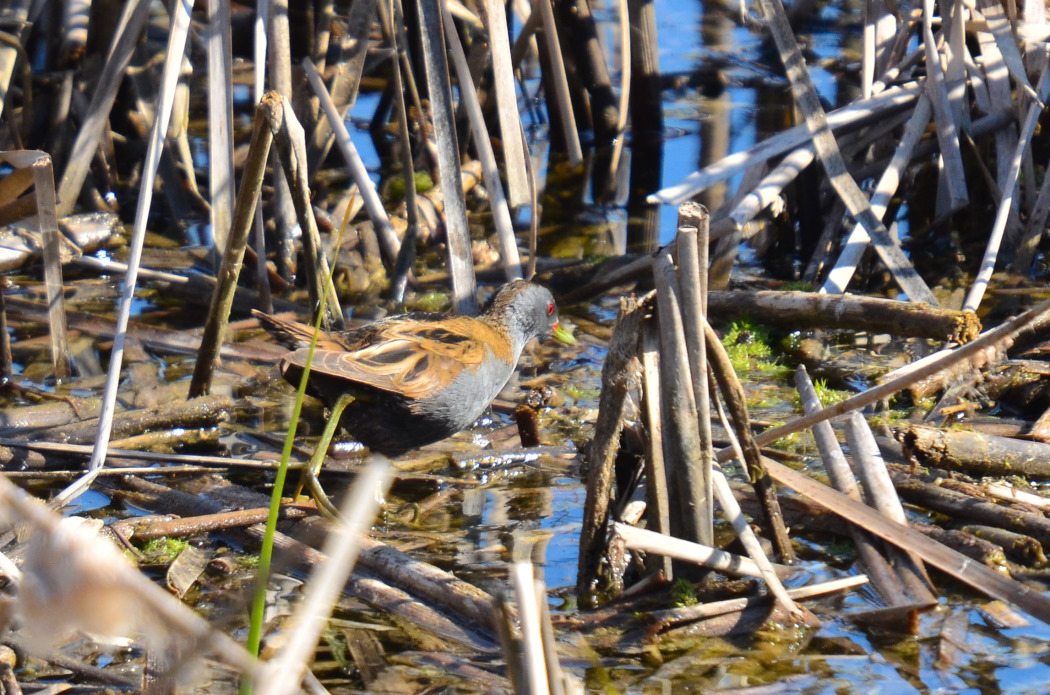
[(419, 377)]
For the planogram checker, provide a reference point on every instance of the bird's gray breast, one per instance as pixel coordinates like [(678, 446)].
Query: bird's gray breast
[(466, 398)]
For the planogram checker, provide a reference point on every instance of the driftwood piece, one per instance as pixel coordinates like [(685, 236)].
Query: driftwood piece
[(934, 554), (619, 377), (1017, 546), (659, 621), (302, 558), (978, 351), (797, 310), (198, 412), (975, 452), (984, 551), (964, 507)]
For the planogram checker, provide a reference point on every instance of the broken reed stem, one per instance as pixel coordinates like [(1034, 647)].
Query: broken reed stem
[(649, 542), (749, 540), (290, 141), (237, 240), (735, 399), (435, 62), (976, 575), (883, 578), (221, 173), (483, 143), (534, 672), (661, 620), (44, 183), (867, 461), (619, 379), (5, 338), (506, 103), (388, 241), (559, 80), (657, 506), (830, 156), (680, 429), (162, 117), (320, 594), (89, 133), (406, 255), (279, 71), (690, 216)]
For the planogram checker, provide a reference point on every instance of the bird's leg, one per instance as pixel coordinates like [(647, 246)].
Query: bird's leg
[(309, 476)]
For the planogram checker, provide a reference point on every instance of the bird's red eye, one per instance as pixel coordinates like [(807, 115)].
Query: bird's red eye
[(550, 309)]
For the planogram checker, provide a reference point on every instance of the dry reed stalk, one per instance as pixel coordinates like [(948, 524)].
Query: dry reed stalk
[(289, 141), (987, 342), (435, 60), (558, 79), (279, 65), (1002, 216), (947, 127), (657, 505), (681, 433), (869, 466), (853, 250), (692, 216), (373, 204), (348, 65), (884, 579), (979, 577), (406, 255), (852, 116), (662, 620), (650, 542), (534, 666), (507, 104), (750, 456), (125, 39), (44, 185), (172, 65), (880, 30), (489, 168), (17, 12), (259, 51), (830, 156), (623, 107), (284, 672), (220, 120), (6, 361)]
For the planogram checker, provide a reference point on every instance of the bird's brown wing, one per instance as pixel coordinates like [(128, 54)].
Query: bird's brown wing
[(415, 359), (293, 334)]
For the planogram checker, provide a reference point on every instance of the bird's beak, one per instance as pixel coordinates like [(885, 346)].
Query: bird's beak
[(564, 334)]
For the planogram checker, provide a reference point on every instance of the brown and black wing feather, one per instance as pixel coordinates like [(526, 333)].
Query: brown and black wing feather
[(408, 357)]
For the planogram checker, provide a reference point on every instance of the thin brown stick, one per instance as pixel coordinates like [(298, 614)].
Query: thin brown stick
[(233, 254), (733, 393)]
